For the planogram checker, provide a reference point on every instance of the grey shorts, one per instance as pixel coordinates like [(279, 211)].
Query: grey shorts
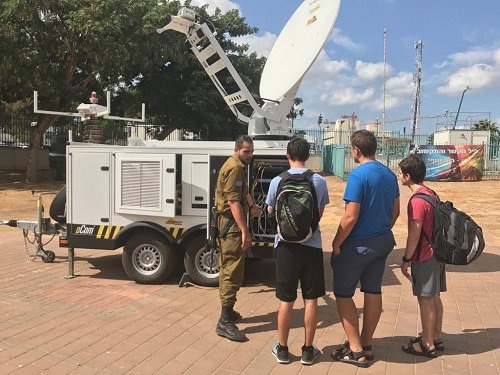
[(429, 278), (361, 261)]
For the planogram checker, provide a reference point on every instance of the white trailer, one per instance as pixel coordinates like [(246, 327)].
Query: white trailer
[(155, 198)]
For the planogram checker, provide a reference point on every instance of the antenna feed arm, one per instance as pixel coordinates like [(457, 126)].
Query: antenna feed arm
[(177, 23)]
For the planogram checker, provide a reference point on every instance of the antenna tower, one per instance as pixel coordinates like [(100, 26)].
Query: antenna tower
[(385, 78), (417, 76)]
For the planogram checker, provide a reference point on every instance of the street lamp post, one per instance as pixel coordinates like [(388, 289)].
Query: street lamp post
[(460, 105)]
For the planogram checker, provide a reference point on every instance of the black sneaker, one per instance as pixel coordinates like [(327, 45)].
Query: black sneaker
[(309, 353), (281, 353)]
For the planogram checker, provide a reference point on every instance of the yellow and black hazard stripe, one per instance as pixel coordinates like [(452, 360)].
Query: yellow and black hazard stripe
[(176, 232), (262, 244), (107, 232)]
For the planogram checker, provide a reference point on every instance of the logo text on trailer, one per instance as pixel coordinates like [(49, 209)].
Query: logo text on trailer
[(83, 229)]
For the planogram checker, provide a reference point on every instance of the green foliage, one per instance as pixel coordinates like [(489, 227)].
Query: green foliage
[(65, 49), (488, 125), (295, 111)]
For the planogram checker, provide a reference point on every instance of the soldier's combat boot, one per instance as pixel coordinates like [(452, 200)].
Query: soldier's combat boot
[(234, 315), (226, 327)]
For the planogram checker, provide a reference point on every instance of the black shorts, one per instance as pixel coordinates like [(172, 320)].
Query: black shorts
[(296, 262)]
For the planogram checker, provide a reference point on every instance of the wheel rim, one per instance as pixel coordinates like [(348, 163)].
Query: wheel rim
[(146, 259), (207, 263)]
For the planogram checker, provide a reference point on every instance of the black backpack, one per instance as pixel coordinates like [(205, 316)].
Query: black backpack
[(456, 238), (295, 216)]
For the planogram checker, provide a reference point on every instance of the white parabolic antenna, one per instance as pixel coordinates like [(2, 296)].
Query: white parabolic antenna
[(292, 55), (297, 47)]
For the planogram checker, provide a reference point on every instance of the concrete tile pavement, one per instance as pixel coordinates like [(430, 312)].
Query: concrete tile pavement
[(102, 323)]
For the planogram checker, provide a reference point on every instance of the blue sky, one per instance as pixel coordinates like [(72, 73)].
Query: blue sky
[(461, 46)]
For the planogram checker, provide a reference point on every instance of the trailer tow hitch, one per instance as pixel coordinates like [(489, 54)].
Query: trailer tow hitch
[(39, 228)]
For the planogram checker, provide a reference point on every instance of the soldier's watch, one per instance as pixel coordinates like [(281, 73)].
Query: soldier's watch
[(406, 260)]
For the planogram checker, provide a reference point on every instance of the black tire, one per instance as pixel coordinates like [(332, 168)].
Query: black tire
[(201, 264), (148, 259), (50, 256), (58, 207)]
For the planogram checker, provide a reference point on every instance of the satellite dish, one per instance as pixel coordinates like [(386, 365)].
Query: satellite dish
[(297, 46)]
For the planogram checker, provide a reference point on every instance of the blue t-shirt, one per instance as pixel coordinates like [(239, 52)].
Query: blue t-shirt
[(321, 194), (375, 187)]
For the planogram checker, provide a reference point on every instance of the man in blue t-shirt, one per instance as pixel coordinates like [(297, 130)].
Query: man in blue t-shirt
[(361, 245), (299, 261)]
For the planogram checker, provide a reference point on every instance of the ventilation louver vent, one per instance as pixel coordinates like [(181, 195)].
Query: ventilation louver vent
[(140, 184)]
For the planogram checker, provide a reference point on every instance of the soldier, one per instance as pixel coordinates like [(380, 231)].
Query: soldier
[(233, 203)]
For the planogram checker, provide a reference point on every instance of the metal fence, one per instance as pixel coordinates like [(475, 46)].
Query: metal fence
[(333, 145), (392, 147), (15, 130)]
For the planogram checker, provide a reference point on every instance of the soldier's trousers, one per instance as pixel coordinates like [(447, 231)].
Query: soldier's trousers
[(231, 263)]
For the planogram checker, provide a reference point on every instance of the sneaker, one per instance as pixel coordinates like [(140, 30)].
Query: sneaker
[(281, 353), (309, 353)]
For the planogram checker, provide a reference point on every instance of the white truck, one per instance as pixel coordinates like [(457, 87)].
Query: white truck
[(155, 198)]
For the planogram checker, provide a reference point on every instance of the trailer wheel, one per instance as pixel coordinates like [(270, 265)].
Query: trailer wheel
[(148, 259), (201, 265), (49, 256), (58, 206)]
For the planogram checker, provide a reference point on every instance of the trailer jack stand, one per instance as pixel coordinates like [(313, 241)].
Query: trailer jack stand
[(71, 264)]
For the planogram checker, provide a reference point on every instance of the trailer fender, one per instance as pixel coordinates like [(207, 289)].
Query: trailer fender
[(186, 237), (130, 230)]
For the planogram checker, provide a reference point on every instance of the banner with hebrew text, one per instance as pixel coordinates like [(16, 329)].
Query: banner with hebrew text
[(451, 162)]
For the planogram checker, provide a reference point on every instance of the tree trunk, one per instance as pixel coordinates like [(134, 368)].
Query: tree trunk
[(36, 133)]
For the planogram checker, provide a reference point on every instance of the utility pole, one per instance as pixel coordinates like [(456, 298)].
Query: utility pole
[(385, 77), (417, 77)]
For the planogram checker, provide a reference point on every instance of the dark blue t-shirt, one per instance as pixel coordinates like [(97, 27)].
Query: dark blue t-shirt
[(375, 187)]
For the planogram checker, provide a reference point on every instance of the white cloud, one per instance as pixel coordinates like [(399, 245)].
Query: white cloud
[(401, 84), (338, 38), (223, 5), (260, 44), (347, 96), (479, 76), (471, 57), (370, 71), (479, 68)]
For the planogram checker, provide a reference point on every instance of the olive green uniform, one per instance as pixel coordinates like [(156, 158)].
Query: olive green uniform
[(231, 186)]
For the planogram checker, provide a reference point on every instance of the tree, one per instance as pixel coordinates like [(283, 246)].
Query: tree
[(295, 111), (64, 49), (488, 125), (181, 95)]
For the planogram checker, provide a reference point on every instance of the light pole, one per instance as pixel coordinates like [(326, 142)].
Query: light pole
[(456, 118)]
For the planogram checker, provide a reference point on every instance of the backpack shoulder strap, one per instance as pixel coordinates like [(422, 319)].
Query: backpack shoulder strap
[(308, 173), (284, 174), (433, 203), (426, 198)]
